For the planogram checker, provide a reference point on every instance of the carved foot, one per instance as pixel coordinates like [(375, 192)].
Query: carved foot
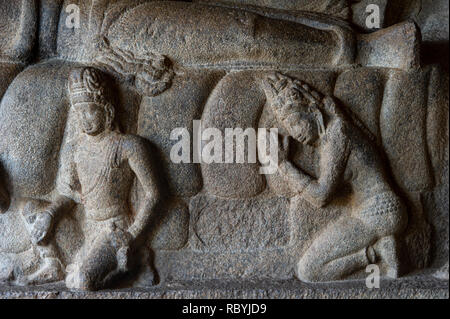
[(442, 273), (385, 250), (73, 280), (78, 279), (51, 271), (147, 278)]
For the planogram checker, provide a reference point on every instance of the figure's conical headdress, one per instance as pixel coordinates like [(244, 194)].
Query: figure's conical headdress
[(86, 84)]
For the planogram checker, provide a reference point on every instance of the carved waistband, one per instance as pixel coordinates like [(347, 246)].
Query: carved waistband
[(105, 214)]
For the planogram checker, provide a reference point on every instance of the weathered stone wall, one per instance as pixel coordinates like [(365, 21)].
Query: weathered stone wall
[(170, 63)]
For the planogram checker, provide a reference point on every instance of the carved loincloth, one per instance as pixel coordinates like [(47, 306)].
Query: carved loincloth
[(384, 212), (381, 204)]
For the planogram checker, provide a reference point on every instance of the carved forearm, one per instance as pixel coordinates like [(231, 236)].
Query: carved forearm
[(313, 191), (317, 194), (297, 180), (143, 216)]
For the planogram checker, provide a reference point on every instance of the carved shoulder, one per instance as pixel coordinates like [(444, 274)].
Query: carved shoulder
[(337, 131), (134, 146)]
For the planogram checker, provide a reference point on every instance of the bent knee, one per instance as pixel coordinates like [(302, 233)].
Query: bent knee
[(307, 270), (80, 280)]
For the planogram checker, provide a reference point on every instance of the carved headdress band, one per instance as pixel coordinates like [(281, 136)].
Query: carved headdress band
[(86, 85)]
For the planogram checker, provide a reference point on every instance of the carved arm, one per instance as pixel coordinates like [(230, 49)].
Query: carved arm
[(140, 162), (333, 159)]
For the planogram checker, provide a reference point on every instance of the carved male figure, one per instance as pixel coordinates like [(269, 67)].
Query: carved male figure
[(97, 170), (347, 157)]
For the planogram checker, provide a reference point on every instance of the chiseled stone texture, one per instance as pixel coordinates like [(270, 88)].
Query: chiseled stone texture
[(408, 288), (159, 115), (91, 200), (239, 225)]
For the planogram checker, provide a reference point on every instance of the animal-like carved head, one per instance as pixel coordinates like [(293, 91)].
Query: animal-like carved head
[(152, 73), (87, 89)]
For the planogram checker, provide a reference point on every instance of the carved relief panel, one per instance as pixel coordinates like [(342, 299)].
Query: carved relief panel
[(134, 148)]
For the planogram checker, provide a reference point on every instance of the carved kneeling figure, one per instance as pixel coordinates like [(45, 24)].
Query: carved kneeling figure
[(105, 254), (97, 170), (347, 157)]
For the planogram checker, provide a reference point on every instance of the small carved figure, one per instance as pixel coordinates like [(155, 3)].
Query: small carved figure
[(97, 170), (347, 157), (39, 219)]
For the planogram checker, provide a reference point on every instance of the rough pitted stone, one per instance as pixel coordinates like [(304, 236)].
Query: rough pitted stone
[(90, 198), (366, 104), (159, 115), (173, 227), (250, 224), (360, 13), (404, 106)]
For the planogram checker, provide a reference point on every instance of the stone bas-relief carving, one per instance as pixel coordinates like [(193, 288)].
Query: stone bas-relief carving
[(97, 173), (96, 170), (90, 199), (346, 156)]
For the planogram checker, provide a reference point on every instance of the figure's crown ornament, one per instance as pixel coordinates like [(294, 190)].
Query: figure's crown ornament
[(86, 84)]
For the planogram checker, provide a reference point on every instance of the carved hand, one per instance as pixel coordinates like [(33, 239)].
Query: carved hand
[(41, 226), (281, 153), (121, 240), (329, 102)]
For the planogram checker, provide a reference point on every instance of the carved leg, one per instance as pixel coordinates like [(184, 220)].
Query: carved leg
[(102, 262), (338, 252), (6, 268), (94, 267), (389, 218), (52, 269)]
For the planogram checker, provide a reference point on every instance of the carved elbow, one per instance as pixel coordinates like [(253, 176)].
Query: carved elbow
[(320, 199), (320, 202), (316, 201), (317, 195)]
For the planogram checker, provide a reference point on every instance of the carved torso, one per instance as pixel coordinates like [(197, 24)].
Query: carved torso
[(104, 176), (358, 162)]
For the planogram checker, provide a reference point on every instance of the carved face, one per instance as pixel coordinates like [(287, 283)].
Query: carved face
[(91, 117), (302, 127)]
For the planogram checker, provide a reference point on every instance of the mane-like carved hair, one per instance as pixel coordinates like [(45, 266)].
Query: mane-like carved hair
[(152, 73)]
